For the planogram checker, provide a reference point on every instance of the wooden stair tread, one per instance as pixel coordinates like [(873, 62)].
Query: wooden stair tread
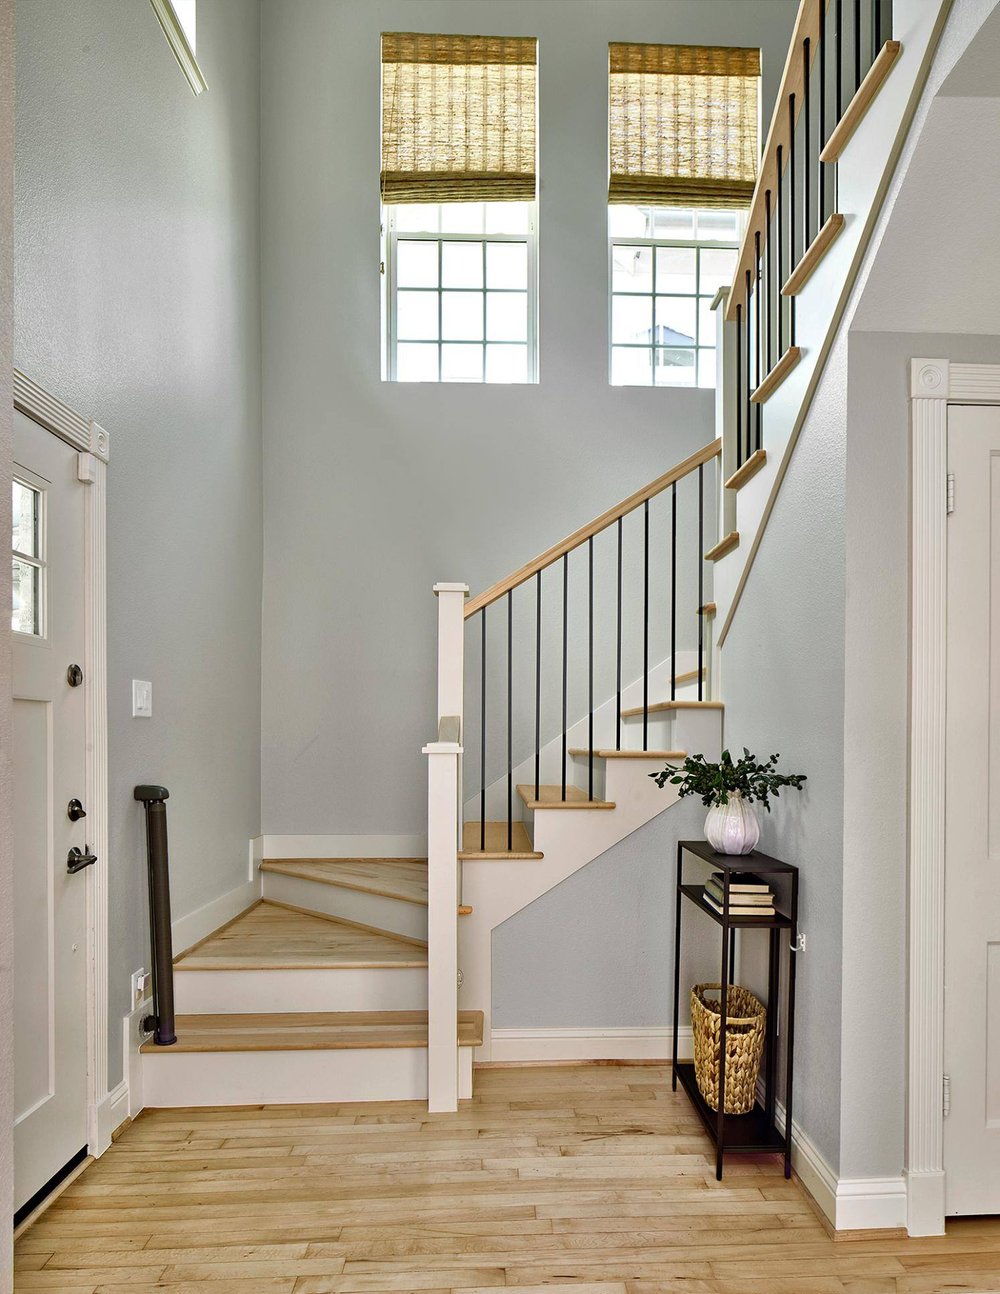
[(392, 878), (551, 797), (748, 471), (810, 260), (311, 1031), (864, 96), (725, 545), (579, 752), (773, 379), (274, 936), (660, 707), (496, 842)]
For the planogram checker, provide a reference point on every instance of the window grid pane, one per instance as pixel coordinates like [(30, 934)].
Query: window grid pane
[(670, 271)]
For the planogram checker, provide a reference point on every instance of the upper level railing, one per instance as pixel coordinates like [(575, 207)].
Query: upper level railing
[(839, 54)]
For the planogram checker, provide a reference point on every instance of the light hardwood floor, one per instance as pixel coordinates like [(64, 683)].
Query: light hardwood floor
[(595, 1177)]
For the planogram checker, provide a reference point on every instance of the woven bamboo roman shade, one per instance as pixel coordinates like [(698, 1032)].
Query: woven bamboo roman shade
[(683, 124), (458, 118)]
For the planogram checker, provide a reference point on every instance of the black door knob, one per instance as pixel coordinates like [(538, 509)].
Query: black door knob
[(74, 676), (75, 811)]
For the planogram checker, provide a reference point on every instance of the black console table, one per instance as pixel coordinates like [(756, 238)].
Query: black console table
[(756, 1132)]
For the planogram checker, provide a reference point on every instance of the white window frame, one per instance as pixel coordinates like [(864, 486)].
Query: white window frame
[(39, 562), (697, 245), (390, 237), (181, 44)]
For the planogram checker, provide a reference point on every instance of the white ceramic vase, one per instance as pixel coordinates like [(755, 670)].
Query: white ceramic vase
[(732, 828)]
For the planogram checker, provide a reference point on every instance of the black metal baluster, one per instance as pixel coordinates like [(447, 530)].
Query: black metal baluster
[(750, 384), (618, 649), (781, 239), (769, 273), (645, 625), (838, 50), (759, 321), (590, 667), (739, 386), (701, 576), (806, 145), (821, 138), (565, 676), (673, 573), (857, 43), (791, 213), (877, 29), (510, 720), (482, 739), (538, 679)]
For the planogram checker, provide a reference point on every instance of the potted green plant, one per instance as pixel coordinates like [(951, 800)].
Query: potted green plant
[(729, 788)]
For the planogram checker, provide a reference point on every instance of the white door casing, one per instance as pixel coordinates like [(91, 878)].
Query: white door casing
[(972, 815), (49, 757), (934, 383), (104, 1109)]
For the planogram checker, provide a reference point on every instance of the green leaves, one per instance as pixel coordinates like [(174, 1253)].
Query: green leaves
[(715, 783)]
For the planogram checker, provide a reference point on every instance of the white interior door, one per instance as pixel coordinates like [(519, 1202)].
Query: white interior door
[(972, 817), (50, 902)]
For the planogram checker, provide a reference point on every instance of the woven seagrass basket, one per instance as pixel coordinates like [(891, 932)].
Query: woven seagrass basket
[(744, 1044)]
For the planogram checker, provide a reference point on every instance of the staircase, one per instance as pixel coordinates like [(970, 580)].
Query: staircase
[(562, 687)]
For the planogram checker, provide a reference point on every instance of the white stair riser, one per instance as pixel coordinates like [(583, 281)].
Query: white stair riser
[(393, 915), (195, 1078), (364, 989)]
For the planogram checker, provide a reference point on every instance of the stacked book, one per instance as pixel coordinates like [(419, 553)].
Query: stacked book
[(749, 896)]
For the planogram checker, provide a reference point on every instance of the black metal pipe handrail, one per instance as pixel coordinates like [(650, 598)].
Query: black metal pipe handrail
[(162, 1022)]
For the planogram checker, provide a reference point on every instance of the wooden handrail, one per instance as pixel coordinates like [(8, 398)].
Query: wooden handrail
[(578, 537), (806, 27)]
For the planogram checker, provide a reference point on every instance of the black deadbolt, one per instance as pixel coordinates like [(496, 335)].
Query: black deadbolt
[(75, 811), (74, 676)]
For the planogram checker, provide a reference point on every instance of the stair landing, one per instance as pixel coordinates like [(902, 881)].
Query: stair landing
[(271, 936)]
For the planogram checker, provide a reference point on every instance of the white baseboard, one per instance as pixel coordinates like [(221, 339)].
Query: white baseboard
[(411, 846), (111, 1114), (849, 1203), (636, 1043), (187, 930)]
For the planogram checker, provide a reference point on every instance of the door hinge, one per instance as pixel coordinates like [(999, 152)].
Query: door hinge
[(946, 1094), (950, 493)]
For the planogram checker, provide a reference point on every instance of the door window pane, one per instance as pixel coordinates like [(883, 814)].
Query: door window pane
[(25, 518), (26, 580)]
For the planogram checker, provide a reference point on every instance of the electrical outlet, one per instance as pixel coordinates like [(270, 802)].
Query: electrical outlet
[(140, 986)]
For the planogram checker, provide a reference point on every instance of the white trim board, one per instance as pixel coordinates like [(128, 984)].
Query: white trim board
[(93, 445), (374, 846), (933, 384), (187, 930), (629, 1043), (178, 41)]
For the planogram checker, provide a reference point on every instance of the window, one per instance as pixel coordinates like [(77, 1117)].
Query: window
[(667, 264), (179, 20), (683, 124), (28, 566), (458, 214), (460, 288)]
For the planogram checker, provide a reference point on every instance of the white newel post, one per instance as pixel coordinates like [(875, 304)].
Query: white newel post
[(444, 758)]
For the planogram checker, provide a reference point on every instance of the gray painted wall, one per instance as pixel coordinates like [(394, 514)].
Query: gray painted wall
[(375, 491), (6, 843), (136, 301)]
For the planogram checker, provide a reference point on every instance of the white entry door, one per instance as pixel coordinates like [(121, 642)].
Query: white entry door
[(50, 901), (972, 816)]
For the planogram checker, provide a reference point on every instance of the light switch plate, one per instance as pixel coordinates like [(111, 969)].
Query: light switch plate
[(142, 699)]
